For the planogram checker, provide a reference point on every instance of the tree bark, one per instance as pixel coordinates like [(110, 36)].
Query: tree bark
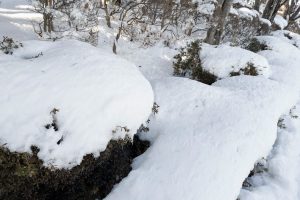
[(47, 17), (218, 20), (107, 15), (257, 5), (271, 9)]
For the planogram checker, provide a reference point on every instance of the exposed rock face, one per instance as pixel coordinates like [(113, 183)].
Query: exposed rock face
[(23, 176)]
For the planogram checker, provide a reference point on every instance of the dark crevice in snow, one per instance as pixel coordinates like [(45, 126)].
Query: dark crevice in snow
[(23, 176)]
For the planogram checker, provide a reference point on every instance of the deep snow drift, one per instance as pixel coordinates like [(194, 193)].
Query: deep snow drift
[(203, 138), (98, 96)]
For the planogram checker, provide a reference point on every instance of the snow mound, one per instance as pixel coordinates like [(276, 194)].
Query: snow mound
[(288, 37), (280, 21), (224, 59), (281, 181), (203, 138), (283, 57), (95, 94)]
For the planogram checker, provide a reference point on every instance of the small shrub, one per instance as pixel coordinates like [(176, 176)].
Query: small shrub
[(155, 108), (256, 46), (250, 70), (8, 45), (260, 167), (292, 114), (53, 123), (281, 124), (188, 64)]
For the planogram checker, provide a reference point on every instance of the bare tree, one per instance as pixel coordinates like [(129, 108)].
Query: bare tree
[(293, 12), (217, 22), (271, 9), (61, 16), (257, 5)]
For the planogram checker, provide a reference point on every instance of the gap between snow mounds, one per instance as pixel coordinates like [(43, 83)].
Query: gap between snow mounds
[(208, 138), (281, 177), (93, 90)]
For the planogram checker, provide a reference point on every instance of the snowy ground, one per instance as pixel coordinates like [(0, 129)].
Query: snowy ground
[(282, 180), (205, 139), (16, 20)]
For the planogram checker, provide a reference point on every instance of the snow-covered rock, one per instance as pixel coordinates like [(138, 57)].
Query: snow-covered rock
[(223, 60), (205, 139), (96, 93)]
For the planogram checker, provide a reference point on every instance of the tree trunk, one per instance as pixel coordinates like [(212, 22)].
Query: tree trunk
[(257, 5), (107, 15), (218, 20), (48, 18), (271, 9)]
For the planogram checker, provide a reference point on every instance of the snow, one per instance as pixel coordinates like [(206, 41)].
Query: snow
[(282, 180), (95, 92), (211, 132), (204, 140), (224, 59), (16, 20), (284, 59), (154, 62), (265, 21), (288, 37), (280, 21), (247, 13)]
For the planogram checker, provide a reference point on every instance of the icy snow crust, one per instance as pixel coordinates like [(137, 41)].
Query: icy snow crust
[(206, 139), (223, 59), (95, 92)]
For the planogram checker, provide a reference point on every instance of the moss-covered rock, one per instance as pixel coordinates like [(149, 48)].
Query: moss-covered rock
[(23, 176)]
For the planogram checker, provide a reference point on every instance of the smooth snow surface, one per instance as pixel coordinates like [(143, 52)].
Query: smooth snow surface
[(94, 90), (283, 56), (223, 59), (280, 21), (282, 180), (16, 20), (203, 138)]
